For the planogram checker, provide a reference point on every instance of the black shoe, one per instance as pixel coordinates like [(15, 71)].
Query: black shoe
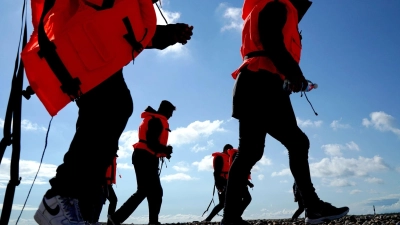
[(324, 212)]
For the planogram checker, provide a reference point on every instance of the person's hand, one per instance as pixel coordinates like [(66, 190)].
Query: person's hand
[(181, 32), (298, 84), (251, 185)]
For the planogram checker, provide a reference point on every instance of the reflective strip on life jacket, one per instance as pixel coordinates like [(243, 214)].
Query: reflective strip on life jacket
[(92, 45), (163, 139), (251, 38)]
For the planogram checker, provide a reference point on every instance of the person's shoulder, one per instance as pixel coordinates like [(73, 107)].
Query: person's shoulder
[(275, 7)]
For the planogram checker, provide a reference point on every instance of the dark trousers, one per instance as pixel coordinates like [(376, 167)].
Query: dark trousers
[(91, 210), (103, 114), (246, 199), (299, 211), (112, 198), (148, 186), (262, 107)]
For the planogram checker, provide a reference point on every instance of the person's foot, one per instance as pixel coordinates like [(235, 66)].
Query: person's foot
[(54, 210), (324, 212)]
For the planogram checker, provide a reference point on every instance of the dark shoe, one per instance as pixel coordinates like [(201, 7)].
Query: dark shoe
[(324, 212)]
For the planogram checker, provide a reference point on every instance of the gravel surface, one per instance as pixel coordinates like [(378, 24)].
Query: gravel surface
[(379, 219)]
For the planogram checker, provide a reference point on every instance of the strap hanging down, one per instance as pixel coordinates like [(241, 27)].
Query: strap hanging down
[(69, 85)]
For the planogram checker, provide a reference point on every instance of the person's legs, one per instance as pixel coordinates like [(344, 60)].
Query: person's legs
[(218, 207), (248, 100), (112, 198), (143, 163), (154, 191), (299, 211), (103, 114), (246, 199)]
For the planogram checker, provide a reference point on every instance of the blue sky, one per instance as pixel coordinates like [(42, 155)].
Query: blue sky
[(350, 48)]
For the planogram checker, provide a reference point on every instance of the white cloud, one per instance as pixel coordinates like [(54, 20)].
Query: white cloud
[(283, 181), (181, 167), (355, 191), (232, 17), (264, 161), (382, 122), (332, 149), (308, 123), (374, 180), (125, 166), (205, 164), (26, 125), (284, 172), (27, 170), (127, 139), (194, 131), (340, 182), (198, 148), (352, 146), (171, 17), (261, 176), (177, 176), (29, 126), (337, 125), (335, 149), (339, 167), (18, 207), (347, 167)]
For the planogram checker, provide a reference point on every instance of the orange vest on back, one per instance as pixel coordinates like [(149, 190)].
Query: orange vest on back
[(232, 154), (141, 144), (112, 172), (251, 38), (225, 166), (90, 44)]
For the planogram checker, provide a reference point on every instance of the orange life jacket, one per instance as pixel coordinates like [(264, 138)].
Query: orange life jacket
[(141, 144), (76, 43), (232, 154), (225, 166), (112, 172), (251, 38)]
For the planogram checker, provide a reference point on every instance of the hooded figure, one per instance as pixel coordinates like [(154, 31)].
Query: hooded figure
[(148, 151)]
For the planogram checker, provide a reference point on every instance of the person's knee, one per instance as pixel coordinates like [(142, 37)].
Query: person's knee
[(299, 147), (250, 153)]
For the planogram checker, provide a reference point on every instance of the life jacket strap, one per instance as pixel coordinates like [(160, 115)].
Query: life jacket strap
[(255, 54), (130, 36), (69, 85)]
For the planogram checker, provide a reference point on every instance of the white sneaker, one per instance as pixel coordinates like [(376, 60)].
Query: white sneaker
[(59, 211)]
